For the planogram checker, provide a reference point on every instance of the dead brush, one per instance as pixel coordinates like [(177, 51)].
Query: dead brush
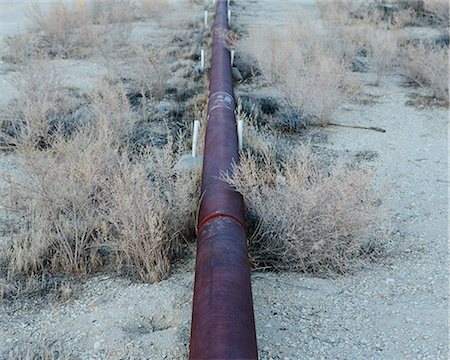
[(440, 9), (179, 16), (150, 71), (61, 227), (42, 108), (69, 31), (312, 78), (114, 18), (427, 66), (305, 217), (110, 11), (154, 9), (87, 203), (63, 31), (383, 49), (151, 215)]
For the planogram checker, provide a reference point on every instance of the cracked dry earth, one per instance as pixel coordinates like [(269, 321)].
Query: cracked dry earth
[(396, 308)]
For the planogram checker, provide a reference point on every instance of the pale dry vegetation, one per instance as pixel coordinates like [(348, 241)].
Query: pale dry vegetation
[(42, 108), (98, 188), (383, 50), (73, 31), (150, 71), (86, 203), (375, 31), (304, 216), (304, 212), (179, 15), (70, 31), (154, 9), (440, 9), (386, 13), (427, 66), (309, 74)]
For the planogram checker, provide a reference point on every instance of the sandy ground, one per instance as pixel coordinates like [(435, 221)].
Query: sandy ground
[(396, 308)]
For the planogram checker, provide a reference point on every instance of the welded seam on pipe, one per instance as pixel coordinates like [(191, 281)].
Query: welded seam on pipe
[(217, 216), (220, 99)]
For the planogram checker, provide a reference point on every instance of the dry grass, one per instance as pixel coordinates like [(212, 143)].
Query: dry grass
[(151, 217), (150, 71), (87, 203), (179, 16), (41, 109), (305, 217), (427, 66), (440, 9), (89, 198), (312, 78), (68, 31), (360, 28), (109, 12), (63, 31), (405, 17), (375, 30), (154, 9), (383, 50), (386, 14)]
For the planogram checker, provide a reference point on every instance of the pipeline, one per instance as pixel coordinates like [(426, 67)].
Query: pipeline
[(223, 325)]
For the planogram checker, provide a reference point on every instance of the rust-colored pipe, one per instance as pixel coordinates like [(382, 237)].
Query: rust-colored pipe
[(223, 325)]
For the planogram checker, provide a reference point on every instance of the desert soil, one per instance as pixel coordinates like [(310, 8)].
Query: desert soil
[(394, 308)]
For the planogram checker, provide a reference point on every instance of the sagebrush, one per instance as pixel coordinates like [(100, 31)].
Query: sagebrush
[(70, 31), (42, 108), (312, 78), (87, 203), (305, 216), (427, 66)]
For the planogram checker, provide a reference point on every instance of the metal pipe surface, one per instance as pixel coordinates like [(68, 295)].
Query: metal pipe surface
[(223, 325)]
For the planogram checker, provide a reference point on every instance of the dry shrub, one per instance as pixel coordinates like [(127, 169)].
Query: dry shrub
[(67, 30), (427, 66), (63, 31), (113, 17), (383, 48), (309, 74), (151, 216), (306, 217), (86, 202), (110, 11), (179, 15), (154, 9), (364, 26), (42, 107), (386, 14), (348, 42), (352, 12), (405, 17), (58, 200), (150, 71), (18, 46), (440, 9)]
